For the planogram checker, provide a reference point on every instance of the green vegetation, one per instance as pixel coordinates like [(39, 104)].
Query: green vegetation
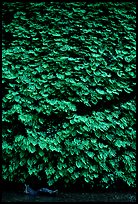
[(69, 89)]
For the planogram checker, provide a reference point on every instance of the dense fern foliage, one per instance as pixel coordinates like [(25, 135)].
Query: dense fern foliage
[(69, 87)]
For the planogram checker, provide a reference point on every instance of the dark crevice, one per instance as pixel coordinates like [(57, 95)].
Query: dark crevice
[(8, 38), (82, 109)]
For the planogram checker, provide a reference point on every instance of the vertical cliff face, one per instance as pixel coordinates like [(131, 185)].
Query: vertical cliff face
[(69, 88)]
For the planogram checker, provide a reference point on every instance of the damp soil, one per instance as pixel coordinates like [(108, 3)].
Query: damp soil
[(71, 197)]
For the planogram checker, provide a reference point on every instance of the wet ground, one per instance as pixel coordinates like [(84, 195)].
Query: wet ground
[(71, 197)]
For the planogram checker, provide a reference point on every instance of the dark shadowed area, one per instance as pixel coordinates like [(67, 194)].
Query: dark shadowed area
[(71, 197), (15, 193)]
